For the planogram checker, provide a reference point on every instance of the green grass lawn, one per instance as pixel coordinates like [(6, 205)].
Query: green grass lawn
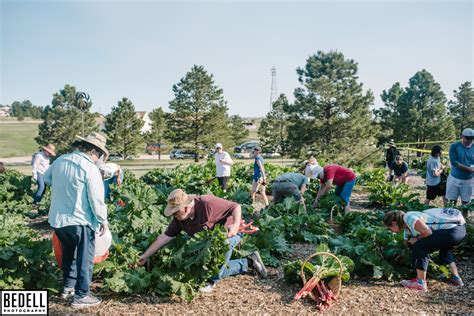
[(17, 139)]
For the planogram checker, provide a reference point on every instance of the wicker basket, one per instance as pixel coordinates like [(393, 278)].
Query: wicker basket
[(336, 282)]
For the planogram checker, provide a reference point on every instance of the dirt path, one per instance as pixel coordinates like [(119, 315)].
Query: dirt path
[(248, 294)]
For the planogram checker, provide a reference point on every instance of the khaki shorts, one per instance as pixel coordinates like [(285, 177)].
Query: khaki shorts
[(458, 188)]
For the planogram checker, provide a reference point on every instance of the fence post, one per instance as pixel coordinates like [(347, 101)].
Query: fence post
[(408, 157)]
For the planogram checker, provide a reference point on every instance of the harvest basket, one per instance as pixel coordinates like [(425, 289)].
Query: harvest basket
[(335, 283)]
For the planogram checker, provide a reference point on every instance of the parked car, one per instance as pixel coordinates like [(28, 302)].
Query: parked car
[(182, 154), (246, 147), (115, 156)]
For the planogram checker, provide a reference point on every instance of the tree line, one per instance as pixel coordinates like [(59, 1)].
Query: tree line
[(198, 118), (332, 116)]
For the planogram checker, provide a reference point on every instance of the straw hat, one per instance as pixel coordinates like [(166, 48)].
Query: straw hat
[(95, 139), (177, 200), (50, 149)]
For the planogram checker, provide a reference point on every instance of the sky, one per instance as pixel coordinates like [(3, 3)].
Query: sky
[(140, 49)]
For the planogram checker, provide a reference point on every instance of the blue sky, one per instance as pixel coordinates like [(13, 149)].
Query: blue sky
[(139, 49)]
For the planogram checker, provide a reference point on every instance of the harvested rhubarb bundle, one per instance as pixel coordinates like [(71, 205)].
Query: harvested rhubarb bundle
[(322, 267)]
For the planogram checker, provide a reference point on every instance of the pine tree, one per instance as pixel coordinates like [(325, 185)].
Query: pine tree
[(62, 121), (386, 115), (158, 127), (198, 117), (123, 129), (330, 115), (273, 130), (416, 113), (462, 108), (237, 129)]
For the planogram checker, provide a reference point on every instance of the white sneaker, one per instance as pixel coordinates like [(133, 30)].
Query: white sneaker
[(208, 288), (85, 302), (67, 293)]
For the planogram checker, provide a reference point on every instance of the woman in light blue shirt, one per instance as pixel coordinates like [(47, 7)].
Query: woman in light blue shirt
[(77, 211), (429, 231)]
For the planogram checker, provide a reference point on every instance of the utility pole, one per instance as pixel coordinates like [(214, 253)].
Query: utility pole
[(273, 93)]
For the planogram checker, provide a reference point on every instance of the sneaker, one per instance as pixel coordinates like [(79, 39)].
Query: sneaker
[(414, 285), (257, 264), (456, 281), (67, 293), (208, 288), (85, 302)]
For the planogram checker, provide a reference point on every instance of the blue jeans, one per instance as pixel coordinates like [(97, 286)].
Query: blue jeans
[(232, 267), (78, 246), (344, 191), (107, 184), (40, 191)]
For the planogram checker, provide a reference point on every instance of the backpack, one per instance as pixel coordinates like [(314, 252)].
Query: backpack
[(447, 216)]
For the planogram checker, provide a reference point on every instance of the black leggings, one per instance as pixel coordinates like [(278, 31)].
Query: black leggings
[(443, 240), (223, 182)]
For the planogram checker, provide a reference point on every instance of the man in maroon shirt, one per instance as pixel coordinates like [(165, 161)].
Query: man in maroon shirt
[(344, 179), (193, 214)]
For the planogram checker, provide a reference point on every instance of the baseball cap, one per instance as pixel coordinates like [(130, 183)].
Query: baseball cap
[(219, 145), (468, 133)]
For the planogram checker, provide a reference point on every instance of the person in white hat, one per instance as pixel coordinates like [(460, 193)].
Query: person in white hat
[(77, 211), (39, 165), (193, 214), (461, 156), (344, 179), (223, 165), (111, 173)]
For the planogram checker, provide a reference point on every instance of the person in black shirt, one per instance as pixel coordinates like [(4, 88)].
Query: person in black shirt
[(400, 170), (392, 152)]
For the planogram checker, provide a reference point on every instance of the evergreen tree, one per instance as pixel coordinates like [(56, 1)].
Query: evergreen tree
[(237, 129), (273, 130), (123, 128), (386, 116), (462, 108), (25, 109), (198, 115), (158, 126), (331, 112), (417, 113), (63, 120)]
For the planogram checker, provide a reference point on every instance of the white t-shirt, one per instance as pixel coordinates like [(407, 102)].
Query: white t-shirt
[(39, 164), (113, 167), (223, 170)]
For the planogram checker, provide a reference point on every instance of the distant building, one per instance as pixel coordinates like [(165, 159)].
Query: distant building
[(4, 110), (143, 115)]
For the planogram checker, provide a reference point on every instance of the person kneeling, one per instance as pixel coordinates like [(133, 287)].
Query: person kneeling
[(195, 213), (429, 231)]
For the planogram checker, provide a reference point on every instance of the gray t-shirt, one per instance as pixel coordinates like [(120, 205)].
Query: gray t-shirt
[(296, 178), (464, 155), (432, 165)]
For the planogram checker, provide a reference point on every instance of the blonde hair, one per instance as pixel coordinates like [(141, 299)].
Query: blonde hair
[(393, 216)]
